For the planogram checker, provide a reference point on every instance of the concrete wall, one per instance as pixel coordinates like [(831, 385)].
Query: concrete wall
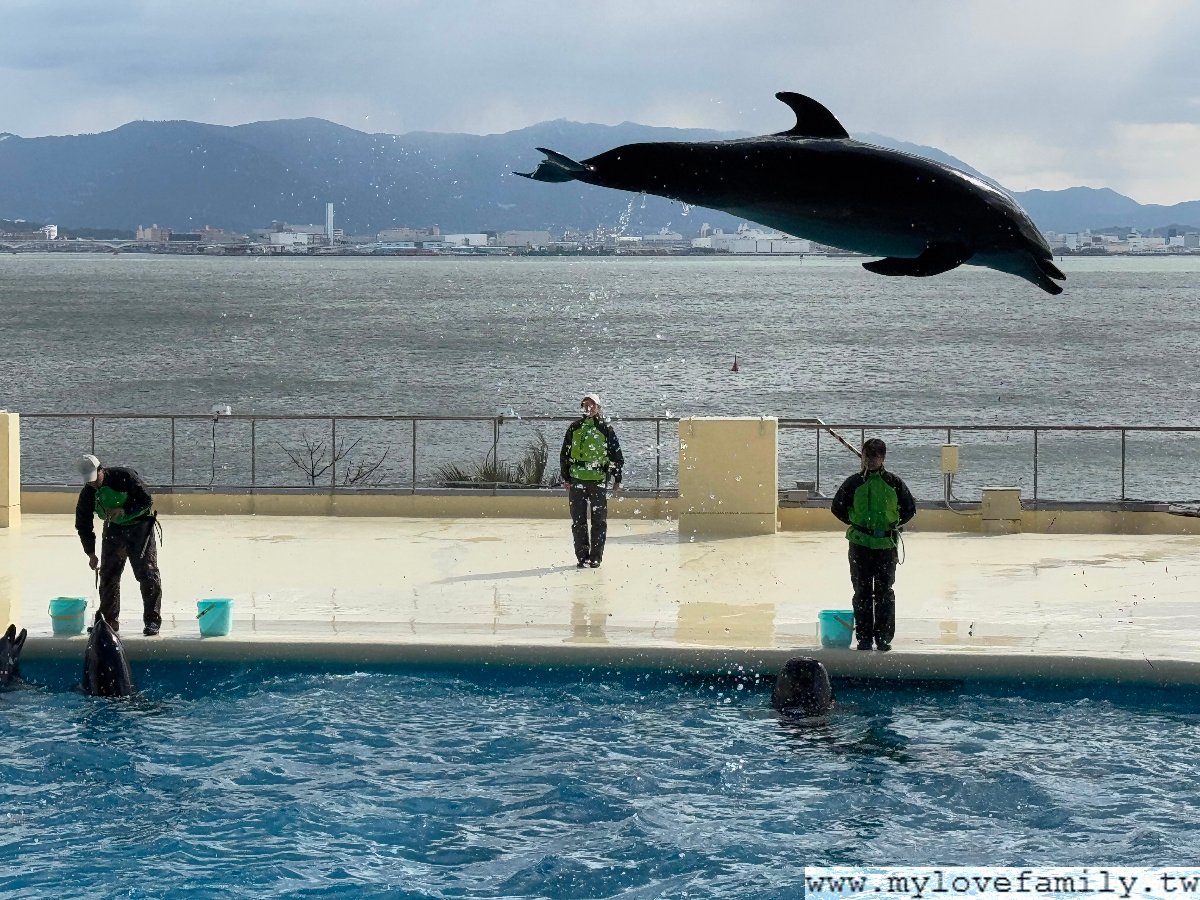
[(728, 475), (10, 469)]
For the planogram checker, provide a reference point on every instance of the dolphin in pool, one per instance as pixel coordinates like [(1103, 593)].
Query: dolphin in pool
[(11, 645), (802, 688), (105, 668), (814, 181)]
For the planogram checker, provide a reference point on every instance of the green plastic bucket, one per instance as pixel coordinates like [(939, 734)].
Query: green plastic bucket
[(215, 616), (835, 627), (67, 614)]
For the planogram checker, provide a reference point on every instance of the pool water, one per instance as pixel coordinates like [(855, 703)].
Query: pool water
[(271, 781)]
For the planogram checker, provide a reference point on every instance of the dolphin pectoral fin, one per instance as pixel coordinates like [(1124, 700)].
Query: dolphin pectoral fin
[(812, 119), (936, 259), (555, 167), (1045, 271), (1049, 268)]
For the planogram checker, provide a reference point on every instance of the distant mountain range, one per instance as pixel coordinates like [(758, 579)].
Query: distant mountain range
[(185, 175)]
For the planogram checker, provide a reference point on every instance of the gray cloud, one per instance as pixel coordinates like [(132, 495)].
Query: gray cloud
[(1034, 94)]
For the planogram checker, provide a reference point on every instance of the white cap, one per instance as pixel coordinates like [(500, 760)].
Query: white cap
[(88, 466), (595, 398)]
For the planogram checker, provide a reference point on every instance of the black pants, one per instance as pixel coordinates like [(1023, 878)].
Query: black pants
[(872, 573), (133, 542), (584, 494)]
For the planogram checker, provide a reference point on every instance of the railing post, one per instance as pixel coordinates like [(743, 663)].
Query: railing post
[(172, 451), (253, 448), (332, 454), (93, 450), (1122, 463), (1035, 465), (817, 483), (657, 456), (495, 451), (414, 456)]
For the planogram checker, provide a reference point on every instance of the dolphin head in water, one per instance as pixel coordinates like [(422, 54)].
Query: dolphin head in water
[(802, 688), (105, 668), (11, 645)]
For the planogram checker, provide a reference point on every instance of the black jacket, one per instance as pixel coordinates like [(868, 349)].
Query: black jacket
[(128, 490)]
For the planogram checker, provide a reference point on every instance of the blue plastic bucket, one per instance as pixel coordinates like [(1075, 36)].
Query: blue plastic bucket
[(835, 627), (67, 614), (215, 616)]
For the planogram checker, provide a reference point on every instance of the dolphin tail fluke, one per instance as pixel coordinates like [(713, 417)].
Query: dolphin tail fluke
[(555, 167)]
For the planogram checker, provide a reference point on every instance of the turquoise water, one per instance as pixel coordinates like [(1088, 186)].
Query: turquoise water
[(272, 782)]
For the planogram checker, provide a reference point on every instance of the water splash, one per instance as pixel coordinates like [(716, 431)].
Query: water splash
[(623, 221)]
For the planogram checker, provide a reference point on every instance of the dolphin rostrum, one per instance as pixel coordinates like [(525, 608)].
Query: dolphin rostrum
[(105, 668), (802, 688), (814, 181), (11, 645)]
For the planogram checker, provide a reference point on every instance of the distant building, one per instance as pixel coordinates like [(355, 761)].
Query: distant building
[(663, 237), (154, 233), (466, 240), (50, 232), (409, 234), (290, 241), (752, 240), (529, 239), (285, 227)]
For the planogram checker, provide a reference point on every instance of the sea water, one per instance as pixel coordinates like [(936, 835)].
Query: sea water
[(90, 333), (147, 333), (473, 782)]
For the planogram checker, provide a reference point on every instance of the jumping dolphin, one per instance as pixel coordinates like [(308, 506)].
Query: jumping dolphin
[(802, 688), (814, 181), (11, 646), (105, 668)]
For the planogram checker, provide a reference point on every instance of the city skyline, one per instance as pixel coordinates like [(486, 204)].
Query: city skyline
[(1101, 94)]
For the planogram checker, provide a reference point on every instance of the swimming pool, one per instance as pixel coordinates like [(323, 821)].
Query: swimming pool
[(267, 781)]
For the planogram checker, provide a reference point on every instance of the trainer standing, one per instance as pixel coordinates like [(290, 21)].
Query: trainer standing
[(875, 504), (591, 454), (119, 498)]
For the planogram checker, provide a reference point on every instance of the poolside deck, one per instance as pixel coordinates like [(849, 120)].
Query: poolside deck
[(507, 590)]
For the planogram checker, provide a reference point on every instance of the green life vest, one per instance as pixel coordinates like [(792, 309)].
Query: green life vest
[(876, 508), (589, 452), (107, 500)]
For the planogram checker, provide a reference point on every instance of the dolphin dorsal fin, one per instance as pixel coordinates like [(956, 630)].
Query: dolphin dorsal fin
[(812, 119)]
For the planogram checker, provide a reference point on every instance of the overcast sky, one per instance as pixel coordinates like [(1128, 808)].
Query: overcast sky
[(1104, 93)]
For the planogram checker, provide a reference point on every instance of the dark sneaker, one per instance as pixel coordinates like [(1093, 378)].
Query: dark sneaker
[(883, 645), (151, 630), (864, 645), (595, 563), (582, 564)]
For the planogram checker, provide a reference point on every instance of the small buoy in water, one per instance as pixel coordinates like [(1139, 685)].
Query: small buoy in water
[(735, 365)]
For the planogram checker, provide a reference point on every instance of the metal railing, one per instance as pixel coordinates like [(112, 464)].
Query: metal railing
[(317, 451), (238, 452), (1084, 461)]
